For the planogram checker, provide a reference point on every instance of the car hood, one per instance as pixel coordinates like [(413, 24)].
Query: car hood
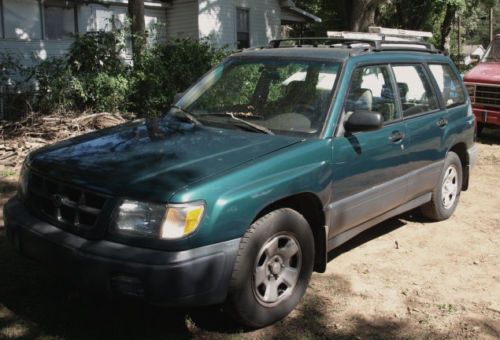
[(486, 73), (151, 159)]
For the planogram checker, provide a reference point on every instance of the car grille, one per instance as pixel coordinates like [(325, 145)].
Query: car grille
[(65, 206), (485, 95)]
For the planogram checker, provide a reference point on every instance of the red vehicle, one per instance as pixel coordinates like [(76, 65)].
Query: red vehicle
[(483, 84)]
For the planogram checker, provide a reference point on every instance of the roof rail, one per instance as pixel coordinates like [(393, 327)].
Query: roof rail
[(317, 41), (397, 45), (370, 44)]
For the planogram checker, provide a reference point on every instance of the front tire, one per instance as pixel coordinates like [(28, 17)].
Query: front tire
[(446, 195), (272, 270)]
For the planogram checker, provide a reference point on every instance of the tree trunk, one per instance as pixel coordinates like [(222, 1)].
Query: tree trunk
[(136, 14), (446, 25), (362, 14), (138, 26)]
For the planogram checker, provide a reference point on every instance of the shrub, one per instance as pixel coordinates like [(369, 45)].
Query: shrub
[(57, 87), (167, 69), (95, 77), (105, 92), (97, 52), (15, 92)]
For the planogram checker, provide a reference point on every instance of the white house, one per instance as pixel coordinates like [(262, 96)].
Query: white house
[(38, 29)]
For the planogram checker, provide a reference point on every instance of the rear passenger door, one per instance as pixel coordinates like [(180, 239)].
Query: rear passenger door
[(368, 166), (425, 120)]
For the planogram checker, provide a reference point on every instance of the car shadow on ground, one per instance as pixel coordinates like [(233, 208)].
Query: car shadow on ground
[(376, 231), (489, 136), (36, 302)]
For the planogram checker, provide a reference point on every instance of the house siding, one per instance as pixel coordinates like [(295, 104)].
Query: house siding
[(182, 19), (217, 21), (90, 17)]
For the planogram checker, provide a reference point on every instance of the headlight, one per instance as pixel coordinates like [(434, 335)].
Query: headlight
[(158, 220)]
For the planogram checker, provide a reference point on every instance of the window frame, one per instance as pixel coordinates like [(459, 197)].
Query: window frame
[(432, 84), (74, 7), (436, 85), (3, 32), (247, 10), (41, 11), (2, 26)]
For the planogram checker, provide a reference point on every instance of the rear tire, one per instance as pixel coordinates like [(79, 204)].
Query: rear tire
[(446, 194), (272, 270), (479, 128)]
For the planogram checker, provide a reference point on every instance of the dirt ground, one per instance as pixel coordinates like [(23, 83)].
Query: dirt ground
[(405, 278)]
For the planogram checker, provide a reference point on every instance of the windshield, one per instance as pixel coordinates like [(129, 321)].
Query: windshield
[(493, 51), (272, 96)]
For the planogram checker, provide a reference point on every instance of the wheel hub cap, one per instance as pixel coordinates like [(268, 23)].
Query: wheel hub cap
[(449, 189), (277, 269)]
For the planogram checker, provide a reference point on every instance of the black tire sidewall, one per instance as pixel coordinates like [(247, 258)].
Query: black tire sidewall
[(241, 299)]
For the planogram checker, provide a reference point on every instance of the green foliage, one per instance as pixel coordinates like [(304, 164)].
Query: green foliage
[(96, 77), (56, 86), (13, 85), (93, 77), (165, 70), (96, 52)]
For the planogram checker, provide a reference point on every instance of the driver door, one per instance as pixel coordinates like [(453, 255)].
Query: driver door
[(368, 167)]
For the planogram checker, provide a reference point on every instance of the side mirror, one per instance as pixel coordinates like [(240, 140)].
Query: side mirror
[(364, 121), (178, 96)]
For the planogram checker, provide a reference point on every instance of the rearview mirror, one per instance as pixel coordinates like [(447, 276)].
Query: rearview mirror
[(364, 121)]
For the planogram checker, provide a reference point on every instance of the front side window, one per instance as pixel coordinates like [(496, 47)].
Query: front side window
[(449, 84), (59, 19), (22, 19), (287, 97), (415, 90), (243, 27), (371, 90)]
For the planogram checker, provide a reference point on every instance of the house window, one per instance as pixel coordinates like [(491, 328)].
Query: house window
[(59, 19), (243, 27), (22, 19), (109, 18)]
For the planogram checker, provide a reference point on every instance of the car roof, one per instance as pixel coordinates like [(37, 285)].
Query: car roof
[(341, 54)]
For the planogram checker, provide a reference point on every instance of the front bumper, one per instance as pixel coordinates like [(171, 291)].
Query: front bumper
[(192, 277), (487, 116)]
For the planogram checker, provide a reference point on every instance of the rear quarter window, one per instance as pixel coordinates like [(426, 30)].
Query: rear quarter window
[(449, 85)]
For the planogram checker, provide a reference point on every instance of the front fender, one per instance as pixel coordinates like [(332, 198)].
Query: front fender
[(235, 198)]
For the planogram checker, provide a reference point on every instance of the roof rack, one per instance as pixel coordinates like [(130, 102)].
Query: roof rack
[(319, 41), (363, 43)]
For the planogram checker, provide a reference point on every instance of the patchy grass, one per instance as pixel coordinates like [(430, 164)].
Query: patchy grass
[(8, 173)]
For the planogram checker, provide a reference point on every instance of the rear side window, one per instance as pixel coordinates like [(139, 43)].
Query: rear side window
[(449, 84), (415, 91)]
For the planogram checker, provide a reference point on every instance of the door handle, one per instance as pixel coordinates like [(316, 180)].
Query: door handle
[(442, 122), (396, 136)]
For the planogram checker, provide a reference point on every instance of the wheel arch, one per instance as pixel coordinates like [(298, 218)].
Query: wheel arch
[(310, 206), (461, 150)]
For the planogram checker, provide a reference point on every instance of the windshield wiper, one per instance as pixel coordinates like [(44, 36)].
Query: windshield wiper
[(253, 126), (186, 114)]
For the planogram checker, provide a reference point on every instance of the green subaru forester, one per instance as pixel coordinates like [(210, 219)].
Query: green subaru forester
[(237, 193)]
